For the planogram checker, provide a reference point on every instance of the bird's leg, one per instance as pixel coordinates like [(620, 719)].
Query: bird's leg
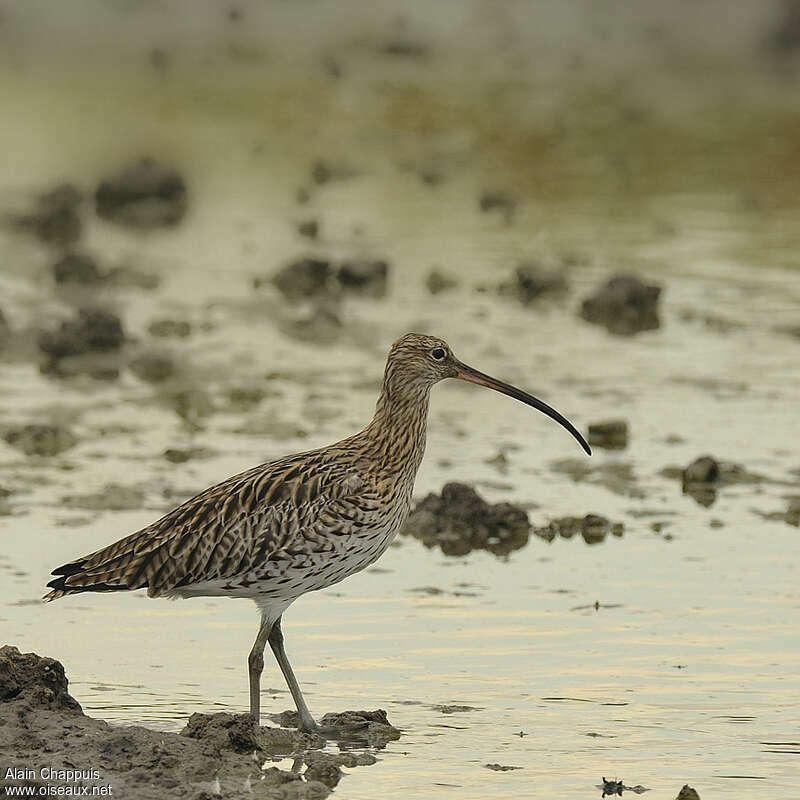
[(307, 723), (255, 665), (275, 639)]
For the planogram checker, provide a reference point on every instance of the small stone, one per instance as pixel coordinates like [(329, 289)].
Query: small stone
[(609, 434), (166, 328), (308, 277), (143, 195), (55, 219), (40, 440), (308, 228), (76, 268), (364, 277), (438, 281), (152, 367), (93, 330), (624, 305), (498, 201), (687, 793), (532, 281)]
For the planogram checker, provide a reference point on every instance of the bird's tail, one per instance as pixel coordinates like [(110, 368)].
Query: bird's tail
[(115, 568)]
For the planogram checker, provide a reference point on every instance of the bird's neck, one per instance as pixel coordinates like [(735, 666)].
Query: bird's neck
[(395, 438)]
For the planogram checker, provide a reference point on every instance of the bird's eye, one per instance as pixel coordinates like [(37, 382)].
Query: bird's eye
[(438, 354)]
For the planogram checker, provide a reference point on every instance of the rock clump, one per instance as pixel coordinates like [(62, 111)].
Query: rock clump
[(531, 282), (143, 195), (458, 521), (592, 527), (55, 218), (94, 329), (610, 434), (624, 305), (40, 440)]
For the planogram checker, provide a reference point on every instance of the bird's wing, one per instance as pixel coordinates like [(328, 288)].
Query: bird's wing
[(225, 530)]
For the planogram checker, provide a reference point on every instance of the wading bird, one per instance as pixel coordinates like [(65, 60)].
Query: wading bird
[(297, 524)]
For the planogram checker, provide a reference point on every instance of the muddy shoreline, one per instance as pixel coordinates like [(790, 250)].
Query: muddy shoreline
[(46, 740)]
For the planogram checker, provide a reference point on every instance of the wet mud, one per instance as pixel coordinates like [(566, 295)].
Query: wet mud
[(45, 735)]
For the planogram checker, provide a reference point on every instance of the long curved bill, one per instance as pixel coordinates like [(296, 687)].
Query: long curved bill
[(467, 373)]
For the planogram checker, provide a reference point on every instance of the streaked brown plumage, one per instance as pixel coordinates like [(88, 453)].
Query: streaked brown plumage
[(287, 527)]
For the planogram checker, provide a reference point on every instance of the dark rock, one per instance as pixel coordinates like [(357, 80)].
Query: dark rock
[(76, 268), (404, 48), (706, 475), (501, 202), (611, 434), (532, 281), (704, 469), (438, 281), (323, 171), (166, 328), (56, 218), (40, 440), (224, 731), (34, 680), (308, 228), (144, 195), (93, 330), (308, 277), (364, 277), (592, 527), (687, 793), (624, 305), (152, 367), (459, 521)]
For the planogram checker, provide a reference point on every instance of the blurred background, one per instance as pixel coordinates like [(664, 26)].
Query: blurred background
[(217, 216)]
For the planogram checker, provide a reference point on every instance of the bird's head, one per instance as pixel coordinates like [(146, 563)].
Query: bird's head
[(417, 361)]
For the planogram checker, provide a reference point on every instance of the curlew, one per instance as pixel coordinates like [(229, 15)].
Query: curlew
[(297, 524)]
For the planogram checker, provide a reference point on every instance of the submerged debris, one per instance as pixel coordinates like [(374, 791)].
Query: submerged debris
[(459, 521), (152, 367), (610, 434), (307, 277), (40, 440), (498, 201), (75, 267), (317, 278), (624, 305), (166, 328), (55, 218), (438, 281), (95, 329), (532, 281), (143, 195), (592, 527), (364, 276)]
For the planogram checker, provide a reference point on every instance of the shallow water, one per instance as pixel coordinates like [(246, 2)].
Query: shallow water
[(688, 670)]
